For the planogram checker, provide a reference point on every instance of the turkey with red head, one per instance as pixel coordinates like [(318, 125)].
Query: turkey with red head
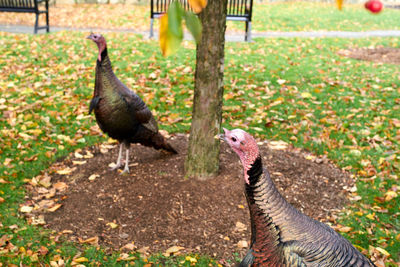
[(280, 234), (120, 112)]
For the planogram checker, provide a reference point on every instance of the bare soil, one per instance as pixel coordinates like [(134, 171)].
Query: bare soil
[(378, 54), (156, 207)]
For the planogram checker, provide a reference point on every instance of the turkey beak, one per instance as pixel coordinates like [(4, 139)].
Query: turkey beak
[(90, 37), (222, 136)]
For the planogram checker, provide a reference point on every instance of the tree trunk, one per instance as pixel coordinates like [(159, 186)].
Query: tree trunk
[(203, 153)]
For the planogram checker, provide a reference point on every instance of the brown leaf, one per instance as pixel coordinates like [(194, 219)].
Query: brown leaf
[(91, 240), (54, 208), (60, 186)]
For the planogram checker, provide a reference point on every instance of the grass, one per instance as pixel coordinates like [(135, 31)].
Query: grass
[(296, 90)]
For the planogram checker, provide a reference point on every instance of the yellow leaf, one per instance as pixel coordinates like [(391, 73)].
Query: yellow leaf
[(198, 5), (112, 225), (172, 250), (169, 43), (339, 4), (389, 195), (191, 259), (65, 171), (93, 177), (80, 259), (370, 216), (381, 250), (26, 209), (306, 95), (78, 162)]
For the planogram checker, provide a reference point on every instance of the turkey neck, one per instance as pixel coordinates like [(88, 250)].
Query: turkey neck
[(263, 198), (106, 80)]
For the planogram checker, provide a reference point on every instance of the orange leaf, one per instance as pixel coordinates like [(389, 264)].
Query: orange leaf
[(198, 5)]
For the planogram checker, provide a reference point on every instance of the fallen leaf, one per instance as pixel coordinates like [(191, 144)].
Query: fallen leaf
[(242, 244), (384, 252), (345, 229), (389, 195), (112, 225), (78, 162), (240, 227), (91, 240), (60, 186), (172, 250), (26, 209), (65, 171), (88, 155), (93, 177), (80, 260), (54, 208), (129, 246), (278, 145)]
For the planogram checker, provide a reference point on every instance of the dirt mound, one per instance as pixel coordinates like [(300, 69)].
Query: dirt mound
[(156, 208)]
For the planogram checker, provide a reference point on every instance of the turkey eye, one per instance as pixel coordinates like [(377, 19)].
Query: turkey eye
[(233, 139)]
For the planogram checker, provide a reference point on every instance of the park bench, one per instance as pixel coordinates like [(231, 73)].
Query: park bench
[(237, 10), (27, 6)]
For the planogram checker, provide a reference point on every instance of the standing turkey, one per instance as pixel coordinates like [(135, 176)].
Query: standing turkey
[(120, 112), (280, 234)]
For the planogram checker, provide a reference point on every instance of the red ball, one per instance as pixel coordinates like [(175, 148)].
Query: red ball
[(375, 6)]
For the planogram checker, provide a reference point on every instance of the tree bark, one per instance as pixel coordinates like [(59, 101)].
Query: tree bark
[(202, 160)]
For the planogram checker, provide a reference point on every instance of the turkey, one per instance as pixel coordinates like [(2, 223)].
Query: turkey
[(120, 112), (280, 234)]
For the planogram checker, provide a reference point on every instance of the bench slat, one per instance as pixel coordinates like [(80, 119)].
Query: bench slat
[(27, 6), (238, 10)]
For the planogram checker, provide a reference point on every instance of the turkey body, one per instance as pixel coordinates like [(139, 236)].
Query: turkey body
[(280, 234), (120, 112)]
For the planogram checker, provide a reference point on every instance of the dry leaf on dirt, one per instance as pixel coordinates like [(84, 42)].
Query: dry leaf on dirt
[(242, 244), (26, 209), (172, 250), (54, 208)]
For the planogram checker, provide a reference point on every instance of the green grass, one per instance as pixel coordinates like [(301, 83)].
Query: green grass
[(297, 90), (309, 16)]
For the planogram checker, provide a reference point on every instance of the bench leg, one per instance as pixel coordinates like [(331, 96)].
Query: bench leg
[(36, 23), (47, 17), (47, 22), (247, 36), (151, 28)]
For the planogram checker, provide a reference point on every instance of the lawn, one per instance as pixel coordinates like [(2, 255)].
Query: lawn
[(297, 90)]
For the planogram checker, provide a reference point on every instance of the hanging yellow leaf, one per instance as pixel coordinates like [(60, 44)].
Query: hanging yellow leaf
[(197, 5), (169, 42), (339, 4)]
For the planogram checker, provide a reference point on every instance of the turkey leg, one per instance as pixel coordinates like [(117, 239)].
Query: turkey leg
[(118, 164), (126, 169)]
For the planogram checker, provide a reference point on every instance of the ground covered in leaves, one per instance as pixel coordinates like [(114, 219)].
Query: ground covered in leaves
[(378, 54), (154, 209)]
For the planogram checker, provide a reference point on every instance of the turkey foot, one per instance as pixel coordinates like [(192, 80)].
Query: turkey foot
[(118, 164), (126, 168)]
